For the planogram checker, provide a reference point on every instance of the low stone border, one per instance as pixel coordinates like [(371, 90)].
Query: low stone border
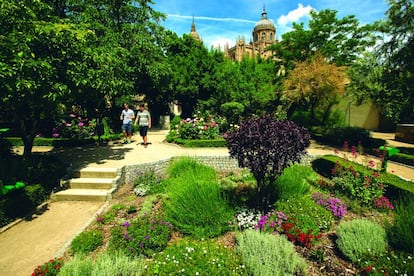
[(219, 163)]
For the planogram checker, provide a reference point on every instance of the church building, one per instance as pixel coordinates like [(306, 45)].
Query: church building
[(264, 35)]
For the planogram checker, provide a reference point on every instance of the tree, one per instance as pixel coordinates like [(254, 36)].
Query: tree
[(267, 146), (386, 75), (317, 84), (34, 48), (339, 40)]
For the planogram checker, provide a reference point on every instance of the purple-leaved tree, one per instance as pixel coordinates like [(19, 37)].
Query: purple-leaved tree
[(267, 146)]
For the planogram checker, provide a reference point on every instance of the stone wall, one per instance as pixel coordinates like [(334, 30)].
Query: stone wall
[(219, 163)]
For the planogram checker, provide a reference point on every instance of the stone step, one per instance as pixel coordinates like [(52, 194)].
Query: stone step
[(83, 195), (92, 183), (92, 172)]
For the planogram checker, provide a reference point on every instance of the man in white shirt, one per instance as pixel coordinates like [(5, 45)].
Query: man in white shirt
[(127, 115)]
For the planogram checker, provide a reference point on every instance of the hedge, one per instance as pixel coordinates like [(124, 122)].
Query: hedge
[(61, 142), (201, 143)]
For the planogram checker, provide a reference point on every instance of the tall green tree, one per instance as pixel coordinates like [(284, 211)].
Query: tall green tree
[(386, 75), (340, 40), (34, 47)]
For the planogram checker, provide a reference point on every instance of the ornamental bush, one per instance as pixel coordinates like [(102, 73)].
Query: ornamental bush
[(87, 241), (361, 238), (266, 254), (143, 236), (196, 205), (193, 257), (267, 146)]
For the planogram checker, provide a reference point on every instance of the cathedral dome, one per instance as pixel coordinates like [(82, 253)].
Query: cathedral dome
[(264, 23)]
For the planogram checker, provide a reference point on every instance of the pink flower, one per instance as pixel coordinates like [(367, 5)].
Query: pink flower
[(56, 135), (72, 115), (80, 124)]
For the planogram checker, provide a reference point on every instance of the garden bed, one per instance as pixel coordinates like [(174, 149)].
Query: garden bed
[(214, 245)]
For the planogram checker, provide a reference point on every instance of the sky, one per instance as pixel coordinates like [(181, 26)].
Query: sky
[(222, 21)]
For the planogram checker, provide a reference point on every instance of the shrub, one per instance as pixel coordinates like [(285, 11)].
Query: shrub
[(324, 165), (106, 264), (232, 111), (361, 238), (293, 182), (147, 183), (401, 233), (239, 188), (364, 188), (196, 205), (202, 126), (75, 127), (191, 257), (87, 241), (267, 147), (353, 135), (310, 217), (331, 203), (36, 194), (266, 254), (50, 268), (146, 235)]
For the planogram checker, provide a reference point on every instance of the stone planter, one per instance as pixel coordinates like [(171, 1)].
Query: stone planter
[(405, 133)]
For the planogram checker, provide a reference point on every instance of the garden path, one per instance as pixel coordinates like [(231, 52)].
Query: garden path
[(44, 236)]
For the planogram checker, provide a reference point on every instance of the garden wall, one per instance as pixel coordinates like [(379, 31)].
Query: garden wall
[(219, 163)]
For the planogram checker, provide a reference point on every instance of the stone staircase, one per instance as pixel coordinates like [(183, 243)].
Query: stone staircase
[(90, 184)]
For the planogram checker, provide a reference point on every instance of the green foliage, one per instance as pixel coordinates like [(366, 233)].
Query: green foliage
[(201, 127), (75, 127), (196, 205), (50, 268), (36, 193), (365, 188), (389, 263), (145, 235), (232, 111), (324, 165), (240, 188), (192, 257), (105, 264), (266, 254), (147, 182), (361, 238), (294, 181), (87, 241), (215, 143), (353, 135), (309, 216), (401, 232)]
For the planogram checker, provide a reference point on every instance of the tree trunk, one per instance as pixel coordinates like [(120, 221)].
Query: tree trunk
[(28, 144)]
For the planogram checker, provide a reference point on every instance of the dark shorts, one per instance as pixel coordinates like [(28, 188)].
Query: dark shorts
[(127, 127), (143, 130)]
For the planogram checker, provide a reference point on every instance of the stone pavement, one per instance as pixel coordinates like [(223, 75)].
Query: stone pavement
[(33, 242)]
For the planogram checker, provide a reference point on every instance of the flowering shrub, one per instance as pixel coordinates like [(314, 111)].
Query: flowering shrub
[(363, 187), (200, 127), (76, 128), (50, 268), (383, 203), (295, 231), (146, 235), (331, 203), (195, 257), (246, 218)]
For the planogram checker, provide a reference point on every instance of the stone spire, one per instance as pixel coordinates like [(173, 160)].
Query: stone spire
[(193, 32)]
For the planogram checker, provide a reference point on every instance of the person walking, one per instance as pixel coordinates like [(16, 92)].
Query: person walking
[(143, 119), (127, 115)]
